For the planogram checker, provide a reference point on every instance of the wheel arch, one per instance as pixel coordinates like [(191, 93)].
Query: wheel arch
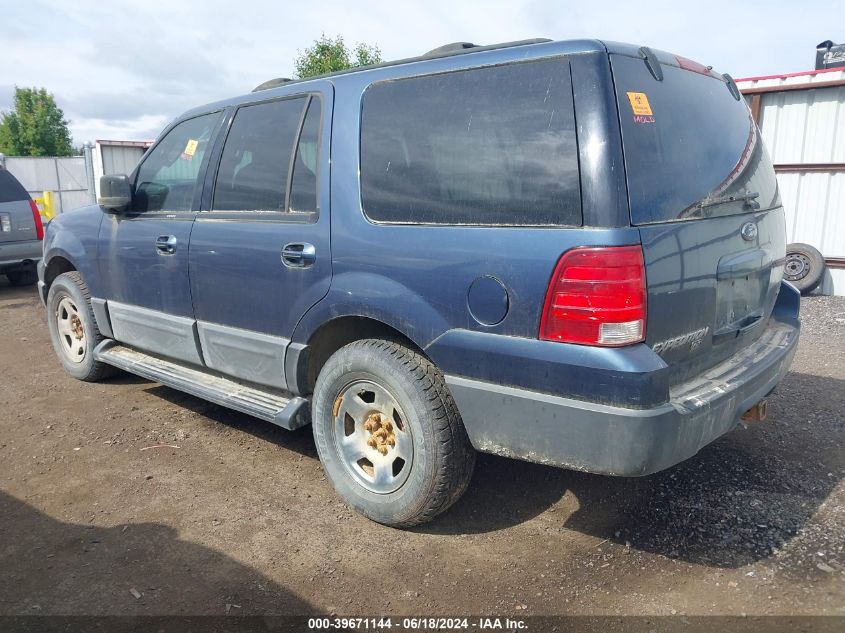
[(307, 360), (56, 265)]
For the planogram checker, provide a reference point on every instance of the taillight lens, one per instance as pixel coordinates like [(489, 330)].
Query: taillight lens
[(36, 216), (597, 296)]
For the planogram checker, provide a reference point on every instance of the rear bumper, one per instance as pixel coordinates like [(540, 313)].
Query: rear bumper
[(15, 254), (549, 429)]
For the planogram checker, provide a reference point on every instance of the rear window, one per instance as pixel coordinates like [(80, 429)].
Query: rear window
[(10, 189), (487, 146), (691, 149)]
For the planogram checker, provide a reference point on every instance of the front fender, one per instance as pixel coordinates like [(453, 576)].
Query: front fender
[(74, 236)]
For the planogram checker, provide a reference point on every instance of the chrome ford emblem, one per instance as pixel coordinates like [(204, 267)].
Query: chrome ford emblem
[(748, 231)]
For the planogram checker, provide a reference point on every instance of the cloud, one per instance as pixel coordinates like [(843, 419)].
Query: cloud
[(125, 69)]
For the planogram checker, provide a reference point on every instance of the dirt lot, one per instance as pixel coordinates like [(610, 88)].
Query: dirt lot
[(240, 518)]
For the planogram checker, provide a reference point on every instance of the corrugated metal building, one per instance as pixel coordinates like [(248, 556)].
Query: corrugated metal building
[(116, 157), (802, 120)]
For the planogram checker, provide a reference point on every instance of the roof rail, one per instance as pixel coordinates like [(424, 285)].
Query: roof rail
[(272, 83), (448, 49), (456, 48)]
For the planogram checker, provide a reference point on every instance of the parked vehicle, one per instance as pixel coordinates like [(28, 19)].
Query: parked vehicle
[(21, 232), (565, 252)]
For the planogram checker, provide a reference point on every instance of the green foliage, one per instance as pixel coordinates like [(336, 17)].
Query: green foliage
[(328, 55), (36, 126)]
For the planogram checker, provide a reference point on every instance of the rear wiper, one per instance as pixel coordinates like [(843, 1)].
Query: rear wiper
[(747, 197)]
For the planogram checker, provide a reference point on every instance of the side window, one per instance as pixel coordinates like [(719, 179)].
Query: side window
[(486, 146), (253, 173), (168, 178), (303, 190)]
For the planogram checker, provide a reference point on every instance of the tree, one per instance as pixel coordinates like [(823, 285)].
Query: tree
[(36, 126), (327, 55)]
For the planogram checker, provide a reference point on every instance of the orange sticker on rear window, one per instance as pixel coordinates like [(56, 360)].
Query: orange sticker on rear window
[(639, 103)]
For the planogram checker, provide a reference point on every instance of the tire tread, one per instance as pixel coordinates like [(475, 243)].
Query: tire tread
[(456, 458), (99, 370)]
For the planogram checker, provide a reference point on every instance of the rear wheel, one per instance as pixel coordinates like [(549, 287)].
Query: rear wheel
[(804, 267), (73, 330), (24, 277), (388, 433)]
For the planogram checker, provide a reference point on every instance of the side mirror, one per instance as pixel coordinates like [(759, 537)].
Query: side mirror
[(115, 192)]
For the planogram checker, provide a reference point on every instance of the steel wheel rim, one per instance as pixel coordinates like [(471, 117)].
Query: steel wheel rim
[(797, 266), (71, 331), (372, 436)]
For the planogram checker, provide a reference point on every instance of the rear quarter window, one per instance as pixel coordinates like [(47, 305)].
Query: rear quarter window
[(485, 146), (10, 189)]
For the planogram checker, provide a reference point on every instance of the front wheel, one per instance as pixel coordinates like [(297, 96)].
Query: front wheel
[(73, 330), (389, 434)]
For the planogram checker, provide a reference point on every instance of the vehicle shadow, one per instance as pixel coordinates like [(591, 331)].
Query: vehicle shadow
[(300, 440), (52, 567), (10, 292), (734, 503)]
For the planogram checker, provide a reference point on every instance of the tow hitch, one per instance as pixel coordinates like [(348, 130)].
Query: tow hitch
[(757, 413)]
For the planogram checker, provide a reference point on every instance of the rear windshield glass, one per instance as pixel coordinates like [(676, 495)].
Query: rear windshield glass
[(691, 149), (487, 146), (10, 189)]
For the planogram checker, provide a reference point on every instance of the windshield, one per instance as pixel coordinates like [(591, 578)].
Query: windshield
[(691, 149)]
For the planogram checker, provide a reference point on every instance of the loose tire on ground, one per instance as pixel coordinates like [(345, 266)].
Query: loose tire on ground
[(804, 267), (25, 277), (73, 330), (388, 433)]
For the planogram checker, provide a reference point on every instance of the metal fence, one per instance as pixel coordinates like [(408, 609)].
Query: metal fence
[(69, 177)]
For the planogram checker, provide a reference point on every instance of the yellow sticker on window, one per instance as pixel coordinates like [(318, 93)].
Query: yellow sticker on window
[(191, 147), (639, 103)]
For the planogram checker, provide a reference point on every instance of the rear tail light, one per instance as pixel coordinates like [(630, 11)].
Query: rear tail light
[(597, 296), (36, 216)]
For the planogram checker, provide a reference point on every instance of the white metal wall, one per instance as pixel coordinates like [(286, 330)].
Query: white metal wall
[(115, 158), (804, 126), (814, 204), (65, 175)]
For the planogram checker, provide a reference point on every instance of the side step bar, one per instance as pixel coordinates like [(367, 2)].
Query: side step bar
[(288, 411)]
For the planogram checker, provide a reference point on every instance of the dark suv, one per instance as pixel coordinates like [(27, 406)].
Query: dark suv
[(21, 231), (565, 252)]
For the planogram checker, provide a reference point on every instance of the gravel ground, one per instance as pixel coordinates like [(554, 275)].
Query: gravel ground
[(239, 519)]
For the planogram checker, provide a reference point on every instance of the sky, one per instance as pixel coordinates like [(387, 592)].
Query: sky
[(122, 70)]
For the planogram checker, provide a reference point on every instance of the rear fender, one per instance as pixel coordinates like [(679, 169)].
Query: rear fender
[(376, 297)]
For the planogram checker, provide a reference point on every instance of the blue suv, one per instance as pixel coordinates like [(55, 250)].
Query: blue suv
[(565, 252)]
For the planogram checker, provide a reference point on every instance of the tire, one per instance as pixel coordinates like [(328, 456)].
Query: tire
[(24, 277), (804, 267), (388, 433), (69, 303)]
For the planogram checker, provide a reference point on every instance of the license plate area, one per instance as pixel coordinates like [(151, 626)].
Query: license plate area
[(742, 283)]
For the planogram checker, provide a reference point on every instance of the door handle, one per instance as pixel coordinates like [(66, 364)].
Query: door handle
[(166, 244), (299, 255)]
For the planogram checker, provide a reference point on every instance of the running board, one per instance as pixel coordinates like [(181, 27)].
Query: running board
[(289, 412)]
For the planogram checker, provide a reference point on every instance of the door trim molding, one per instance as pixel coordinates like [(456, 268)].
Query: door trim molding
[(155, 331), (246, 354)]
